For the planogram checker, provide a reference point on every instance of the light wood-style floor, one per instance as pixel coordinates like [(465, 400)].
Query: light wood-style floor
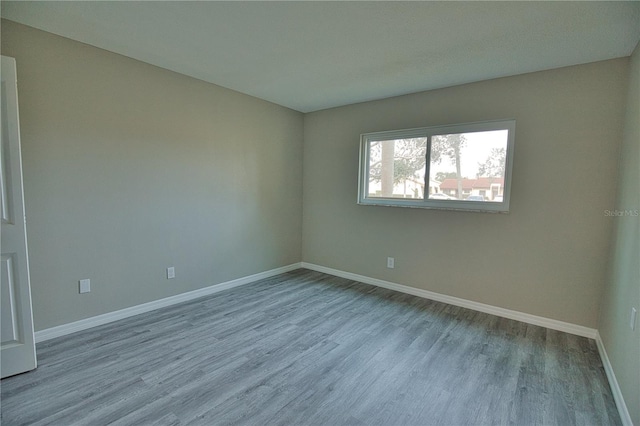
[(305, 348)]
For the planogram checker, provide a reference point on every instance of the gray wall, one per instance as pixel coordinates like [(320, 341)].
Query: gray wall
[(129, 168), (546, 257), (622, 288)]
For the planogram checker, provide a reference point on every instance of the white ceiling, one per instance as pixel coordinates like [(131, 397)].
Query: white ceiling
[(314, 55)]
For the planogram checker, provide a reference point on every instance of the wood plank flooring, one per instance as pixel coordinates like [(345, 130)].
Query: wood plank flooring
[(306, 348)]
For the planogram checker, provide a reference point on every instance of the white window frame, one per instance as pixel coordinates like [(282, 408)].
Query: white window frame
[(428, 132)]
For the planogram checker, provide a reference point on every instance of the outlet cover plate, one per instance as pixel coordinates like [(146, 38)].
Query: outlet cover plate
[(85, 286), (171, 272)]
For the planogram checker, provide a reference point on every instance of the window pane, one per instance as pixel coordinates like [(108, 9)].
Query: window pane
[(397, 168), (468, 166)]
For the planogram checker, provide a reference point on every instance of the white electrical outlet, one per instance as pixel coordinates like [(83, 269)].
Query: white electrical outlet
[(85, 286), (391, 262), (632, 322), (171, 272)]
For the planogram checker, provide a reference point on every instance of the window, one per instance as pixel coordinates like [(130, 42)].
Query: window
[(459, 167)]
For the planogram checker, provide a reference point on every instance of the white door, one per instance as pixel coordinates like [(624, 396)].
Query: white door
[(17, 346)]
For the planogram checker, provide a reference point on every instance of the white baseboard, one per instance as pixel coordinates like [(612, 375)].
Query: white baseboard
[(613, 383), (63, 330), (476, 306)]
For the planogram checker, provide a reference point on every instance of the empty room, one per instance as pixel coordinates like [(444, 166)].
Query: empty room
[(320, 213)]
